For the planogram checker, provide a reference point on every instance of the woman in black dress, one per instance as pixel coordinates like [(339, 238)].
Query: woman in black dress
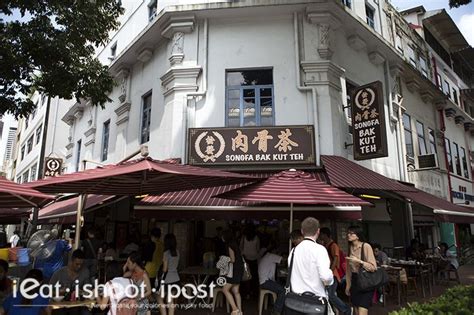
[(361, 256), (231, 288)]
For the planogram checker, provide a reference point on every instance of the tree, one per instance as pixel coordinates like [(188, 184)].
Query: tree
[(51, 49), (458, 3)]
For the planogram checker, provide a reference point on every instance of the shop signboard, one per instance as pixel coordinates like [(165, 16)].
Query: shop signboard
[(265, 145), (368, 122), (52, 167)]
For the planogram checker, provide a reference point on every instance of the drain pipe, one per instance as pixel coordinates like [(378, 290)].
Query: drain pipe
[(201, 93), (303, 88)]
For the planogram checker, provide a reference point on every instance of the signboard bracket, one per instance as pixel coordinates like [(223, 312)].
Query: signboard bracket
[(346, 145)]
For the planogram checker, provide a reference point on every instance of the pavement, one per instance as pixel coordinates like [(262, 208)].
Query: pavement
[(466, 275)]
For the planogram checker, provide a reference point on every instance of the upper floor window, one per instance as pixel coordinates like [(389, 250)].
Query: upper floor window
[(457, 160), (249, 99), (370, 13), (38, 134), (464, 162), (29, 144), (105, 140), (113, 51), (27, 121), (455, 96), (398, 43), (411, 56), (33, 173), (18, 179), (423, 67), (22, 156), (408, 135), (26, 176), (432, 139), (447, 89), (347, 3), (449, 154), (421, 138), (152, 8), (439, 82), (146, 118), (78, 154), (349, 89)]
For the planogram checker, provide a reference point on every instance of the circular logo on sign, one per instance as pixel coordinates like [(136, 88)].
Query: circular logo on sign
[(365, 98), (213, 150), (52, 165)]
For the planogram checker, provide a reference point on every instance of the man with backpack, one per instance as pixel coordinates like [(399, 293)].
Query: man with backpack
[(338, 267)]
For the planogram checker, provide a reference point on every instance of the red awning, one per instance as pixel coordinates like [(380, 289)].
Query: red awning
[(443, 209), (346, 174), (65, 211), (13, 195), (139, 177), (13, 216)]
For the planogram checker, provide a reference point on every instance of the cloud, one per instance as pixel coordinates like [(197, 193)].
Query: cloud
[(466, 26)]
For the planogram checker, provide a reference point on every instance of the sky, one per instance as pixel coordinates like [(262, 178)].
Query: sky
[(462, 16)]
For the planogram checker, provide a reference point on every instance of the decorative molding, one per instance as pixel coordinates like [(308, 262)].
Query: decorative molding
[(356, 42), (123, 113), (176, 59), (396, 69), (458, 120), (426, 95), (440, 103), (468, 126), (145, 55), (412, 85), (450, 112), (174, 24), (322, 72), (69, 149), (123, 77), (376, 58), (180, 79), (90, 136)]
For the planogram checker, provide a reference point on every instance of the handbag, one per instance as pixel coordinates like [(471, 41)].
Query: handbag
[(247, 274), (307, 302), (368, 281)]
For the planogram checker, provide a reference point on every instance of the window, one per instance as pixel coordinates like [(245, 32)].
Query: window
[(423, 67), (439, 82), (78, 155), (27, 121), (105, 140), (152, 7), (449, 154), (457, 161), (249, 99), (432, 139), (421, 138), (22, 156), (29, 144), (33, 173), (43, 99), (398, 43), (464, 163), (349, 89), (411, 56), (446, 89), (146, 118), (370, 13), (347, 3), (408, 135), (113, 51), (455, 97), (26, 176), (38, 134), (18, 179)]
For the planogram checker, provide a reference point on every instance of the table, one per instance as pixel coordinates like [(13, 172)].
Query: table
[(200, 276), (418, 269), (395, 272)]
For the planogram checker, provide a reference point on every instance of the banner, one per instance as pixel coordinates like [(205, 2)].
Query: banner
[(251, 145), (368, 122)]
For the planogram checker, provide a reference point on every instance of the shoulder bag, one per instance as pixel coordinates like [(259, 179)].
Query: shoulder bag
[(247, 274), (305, 303), (369, 281)]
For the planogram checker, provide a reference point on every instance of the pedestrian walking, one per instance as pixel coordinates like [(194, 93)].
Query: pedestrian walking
[(361, 255)]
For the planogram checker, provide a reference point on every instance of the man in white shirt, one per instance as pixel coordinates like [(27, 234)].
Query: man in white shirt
[(266, 276), (14, 239), (311, 270)]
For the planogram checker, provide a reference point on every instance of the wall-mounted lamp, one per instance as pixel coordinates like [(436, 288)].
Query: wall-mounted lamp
[(370, 197)]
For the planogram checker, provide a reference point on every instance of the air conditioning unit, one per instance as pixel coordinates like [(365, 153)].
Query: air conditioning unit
[(428, 161)]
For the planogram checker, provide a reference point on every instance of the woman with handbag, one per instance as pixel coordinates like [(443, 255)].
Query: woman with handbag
[(361, 258), (232, 286)]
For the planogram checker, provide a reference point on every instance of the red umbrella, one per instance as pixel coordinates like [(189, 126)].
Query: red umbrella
[(139, 177), (13, 195), (293, 187)]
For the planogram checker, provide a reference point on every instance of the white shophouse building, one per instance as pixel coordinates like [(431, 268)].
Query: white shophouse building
[(207, 64)]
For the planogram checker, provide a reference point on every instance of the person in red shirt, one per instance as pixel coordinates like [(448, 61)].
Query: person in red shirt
[(335, 258)]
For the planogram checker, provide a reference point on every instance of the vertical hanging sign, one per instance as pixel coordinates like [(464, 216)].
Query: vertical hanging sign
[(368, 121)]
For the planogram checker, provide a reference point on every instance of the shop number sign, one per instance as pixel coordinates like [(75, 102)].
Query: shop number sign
[(52, 167), (251, 145), (368, 122)]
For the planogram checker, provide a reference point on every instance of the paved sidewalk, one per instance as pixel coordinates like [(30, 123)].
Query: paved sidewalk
[(466, 274)]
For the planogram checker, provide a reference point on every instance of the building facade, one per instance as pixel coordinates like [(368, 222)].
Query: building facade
[(7, 142), (182, 65)]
